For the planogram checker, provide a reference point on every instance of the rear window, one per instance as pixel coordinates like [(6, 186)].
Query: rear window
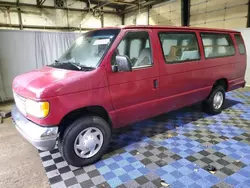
[(240, 44), (217, 45)]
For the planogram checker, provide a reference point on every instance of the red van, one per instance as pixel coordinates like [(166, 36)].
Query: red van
[(112, 77)]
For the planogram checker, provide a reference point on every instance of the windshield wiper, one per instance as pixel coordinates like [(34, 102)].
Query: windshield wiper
[(74, 64), (83, 67), (77, 65)]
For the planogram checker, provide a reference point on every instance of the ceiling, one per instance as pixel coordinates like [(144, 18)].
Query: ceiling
[(119, 6), (124, 5)]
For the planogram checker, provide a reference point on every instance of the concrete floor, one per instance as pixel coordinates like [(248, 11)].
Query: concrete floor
[(20, 165)]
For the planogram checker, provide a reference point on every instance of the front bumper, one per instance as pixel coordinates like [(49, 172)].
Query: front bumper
[(43, 138)]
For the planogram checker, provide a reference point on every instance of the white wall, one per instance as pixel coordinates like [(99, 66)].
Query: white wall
[(246, 36)]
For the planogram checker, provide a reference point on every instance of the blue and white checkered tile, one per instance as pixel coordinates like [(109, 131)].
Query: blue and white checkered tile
[(241, 106), (120, 168), (237, 96), (247, 93), (240, 179), (183, 173), (173, 148), (143, 143), (170, 126), (186, 128), (235, 149), (233, 97), (220, 118), (245, 116), (182, 145), (224, 130)]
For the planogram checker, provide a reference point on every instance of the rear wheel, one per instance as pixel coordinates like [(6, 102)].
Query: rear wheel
[(214, 103), (85, 141)]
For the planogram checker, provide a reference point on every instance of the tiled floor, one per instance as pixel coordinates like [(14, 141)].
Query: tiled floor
[(171, 150)]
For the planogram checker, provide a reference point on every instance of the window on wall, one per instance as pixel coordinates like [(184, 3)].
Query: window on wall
[(217, 45), (136, 46), (179, 47), (240, 44)]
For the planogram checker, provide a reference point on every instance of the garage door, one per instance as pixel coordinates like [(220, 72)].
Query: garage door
[(130, 18), (166, 14), (140, 17), (219, 13)]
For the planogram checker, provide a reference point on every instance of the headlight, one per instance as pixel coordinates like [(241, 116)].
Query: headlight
[(37, 109)]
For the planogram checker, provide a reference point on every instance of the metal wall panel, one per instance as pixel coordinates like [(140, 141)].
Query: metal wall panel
[(219, 14), (142, 17), (161, 14), (130, 18), (166, 14), (112, 20)]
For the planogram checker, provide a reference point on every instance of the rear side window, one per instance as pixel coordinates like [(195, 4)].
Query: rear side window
[(217, 45), (179, 47), (240, 44)]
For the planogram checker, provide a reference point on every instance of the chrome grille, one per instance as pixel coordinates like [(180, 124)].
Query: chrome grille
[(20, 103)]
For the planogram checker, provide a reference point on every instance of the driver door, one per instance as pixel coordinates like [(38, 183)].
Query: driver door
[(134, 93)]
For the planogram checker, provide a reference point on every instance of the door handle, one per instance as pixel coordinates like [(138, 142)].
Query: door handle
[(156, 83)]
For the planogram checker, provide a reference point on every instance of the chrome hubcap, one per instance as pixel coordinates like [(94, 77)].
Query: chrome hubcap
[(218, 100), (88, 142)]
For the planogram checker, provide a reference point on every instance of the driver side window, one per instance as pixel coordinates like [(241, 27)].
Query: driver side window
[(136, 46)]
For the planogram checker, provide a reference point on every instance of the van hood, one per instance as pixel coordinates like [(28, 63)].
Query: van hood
[(50, 82)]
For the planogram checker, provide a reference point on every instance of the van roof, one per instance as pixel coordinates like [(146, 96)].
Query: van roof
[(173, 27)]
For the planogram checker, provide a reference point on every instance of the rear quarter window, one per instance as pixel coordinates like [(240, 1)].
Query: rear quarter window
[(240, 44), (217, 45)]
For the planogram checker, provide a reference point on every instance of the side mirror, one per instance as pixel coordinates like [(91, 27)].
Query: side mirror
[(123, 64)]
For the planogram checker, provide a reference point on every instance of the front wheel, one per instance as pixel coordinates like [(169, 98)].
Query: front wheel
[(85, 141), (214, 103)]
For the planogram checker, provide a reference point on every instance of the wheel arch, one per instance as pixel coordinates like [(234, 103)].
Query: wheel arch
[(222, 82), (80, 112)]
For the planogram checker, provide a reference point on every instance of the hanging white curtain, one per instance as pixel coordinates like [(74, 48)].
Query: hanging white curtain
[(23, 51), (50, 46)]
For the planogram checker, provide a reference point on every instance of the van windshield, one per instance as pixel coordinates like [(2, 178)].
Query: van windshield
[(88, 50)]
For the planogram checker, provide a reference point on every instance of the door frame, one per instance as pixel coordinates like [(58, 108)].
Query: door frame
[(137, 75)]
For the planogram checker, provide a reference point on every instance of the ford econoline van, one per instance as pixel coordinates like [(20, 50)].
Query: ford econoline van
[(112, 77)]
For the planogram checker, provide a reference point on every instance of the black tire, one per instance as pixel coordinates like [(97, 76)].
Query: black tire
[(67, 138), (208, 106)]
